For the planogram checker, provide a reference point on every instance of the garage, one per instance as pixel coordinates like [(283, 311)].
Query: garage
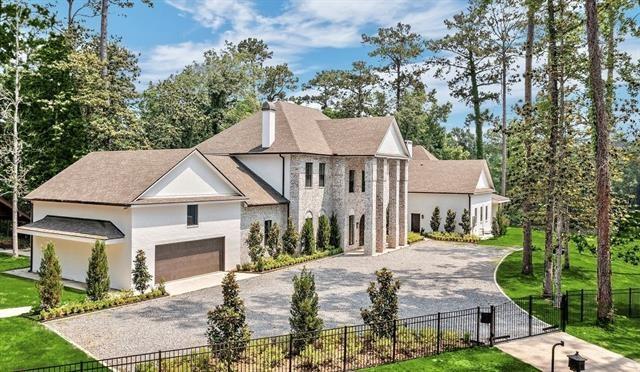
[(189, 258)]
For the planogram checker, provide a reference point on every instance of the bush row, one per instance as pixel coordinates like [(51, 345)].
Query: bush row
[(453, 237), (283, 260), (413, 237)]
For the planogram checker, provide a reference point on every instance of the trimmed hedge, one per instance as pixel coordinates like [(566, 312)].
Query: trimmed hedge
[(413, 237), (86, 305), (453, 237), (286, 260)]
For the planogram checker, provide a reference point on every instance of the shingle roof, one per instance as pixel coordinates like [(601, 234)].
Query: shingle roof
[(420, 153), (78, 227), (355, 136), (447, 176)]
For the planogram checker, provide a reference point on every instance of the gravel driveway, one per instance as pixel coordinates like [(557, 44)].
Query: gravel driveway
[(435, 276)]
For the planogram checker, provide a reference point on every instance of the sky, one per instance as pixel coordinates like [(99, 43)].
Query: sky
[(309, 35)]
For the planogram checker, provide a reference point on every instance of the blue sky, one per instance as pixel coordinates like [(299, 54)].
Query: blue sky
[(310, 35)]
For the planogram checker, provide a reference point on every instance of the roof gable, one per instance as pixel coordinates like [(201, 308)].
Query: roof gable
[(392, 143), (420, 153), (448, 176)]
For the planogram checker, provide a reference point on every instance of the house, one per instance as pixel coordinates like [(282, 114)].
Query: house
[(190, 209), (451, 185)]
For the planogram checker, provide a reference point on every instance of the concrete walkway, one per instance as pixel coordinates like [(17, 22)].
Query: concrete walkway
[(25, 273), (537, 352), (21, 252), (14, 311), (195, 283)]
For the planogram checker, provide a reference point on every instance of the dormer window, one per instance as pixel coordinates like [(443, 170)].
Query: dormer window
[(192, 215)]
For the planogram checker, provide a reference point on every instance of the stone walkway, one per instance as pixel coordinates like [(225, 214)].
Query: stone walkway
[(14, 311), (537, 352)]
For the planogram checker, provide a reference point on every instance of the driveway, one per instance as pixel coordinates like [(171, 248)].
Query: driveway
[(435, 276)]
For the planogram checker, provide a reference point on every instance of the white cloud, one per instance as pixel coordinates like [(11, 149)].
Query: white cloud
[(163, 60)]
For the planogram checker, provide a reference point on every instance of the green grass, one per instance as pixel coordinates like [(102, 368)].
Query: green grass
[(28, 344), (476, 360), (8, 262), (622, 337)]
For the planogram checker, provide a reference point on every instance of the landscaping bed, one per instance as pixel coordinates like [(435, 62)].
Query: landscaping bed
[(413, 237), (453, 237), (284, 260)]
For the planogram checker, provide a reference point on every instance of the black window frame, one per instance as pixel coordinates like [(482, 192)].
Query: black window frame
[(267, 228), (192, 215), (352, 180), (363, 182), (308, 174), (321, 174), (352, 229)]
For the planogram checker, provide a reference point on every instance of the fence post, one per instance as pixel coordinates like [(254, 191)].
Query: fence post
[(159, 360), (290, 352), (581, 305), (492, 325), (81, 366), (566, 319), (344, 350), (629, 315), (530, 315), (438, 336), (564, 312), (395, 339), (478, 328)]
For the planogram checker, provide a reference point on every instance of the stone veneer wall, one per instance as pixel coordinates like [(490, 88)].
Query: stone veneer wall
[(276, 213)]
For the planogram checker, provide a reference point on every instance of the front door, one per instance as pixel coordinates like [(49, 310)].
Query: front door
[(415, 222), (361, 231)]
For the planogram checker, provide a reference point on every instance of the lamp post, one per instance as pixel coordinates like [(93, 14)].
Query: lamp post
[(553, 355), (576, 362)]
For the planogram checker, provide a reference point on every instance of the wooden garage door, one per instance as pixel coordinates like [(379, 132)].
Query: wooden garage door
[(185, 259)]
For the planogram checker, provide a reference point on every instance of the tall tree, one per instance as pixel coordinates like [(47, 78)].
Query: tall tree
[(605, 304), (277, 81)]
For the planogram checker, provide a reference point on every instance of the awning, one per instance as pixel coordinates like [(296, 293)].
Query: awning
[(80, 229), (499, 199)]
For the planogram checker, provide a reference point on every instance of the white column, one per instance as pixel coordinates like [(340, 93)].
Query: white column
[(403, 197), (370, 216), (382, 200), (394, 192)]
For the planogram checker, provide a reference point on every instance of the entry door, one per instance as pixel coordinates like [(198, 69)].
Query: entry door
[(190, 258), (415, 222), (361, 231)]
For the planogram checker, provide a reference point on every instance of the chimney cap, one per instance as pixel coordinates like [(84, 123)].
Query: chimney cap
[(268, 106)]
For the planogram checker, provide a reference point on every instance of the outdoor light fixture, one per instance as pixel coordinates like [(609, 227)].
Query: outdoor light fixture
[(485, 318), (553, 355), (576, 362)]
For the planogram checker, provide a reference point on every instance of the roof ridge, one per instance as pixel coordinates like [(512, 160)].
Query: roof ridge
[(288, 124)]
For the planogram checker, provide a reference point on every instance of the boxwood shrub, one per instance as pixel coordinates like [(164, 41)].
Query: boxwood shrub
[(284, 260), (453, 237)]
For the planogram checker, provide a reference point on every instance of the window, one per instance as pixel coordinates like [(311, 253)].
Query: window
[(362, 180), (321, 174), (192, 215), (351, 230), (308, 174), (481, 214), (352, 176), (267, 228), (486, 212)]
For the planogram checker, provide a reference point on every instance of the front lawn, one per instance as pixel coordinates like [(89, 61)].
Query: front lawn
[(8, 262), (28, 344), (478, 359)]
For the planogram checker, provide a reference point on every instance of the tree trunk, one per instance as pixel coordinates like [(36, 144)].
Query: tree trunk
[(610, 61), (503, 176), (475, 98), (15, 180), (605, 305), (557, 275), (565, 241), (553, 144), (103, 36), (398, 86)]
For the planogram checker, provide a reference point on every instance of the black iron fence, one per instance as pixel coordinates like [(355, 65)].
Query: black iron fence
[(583, 304)]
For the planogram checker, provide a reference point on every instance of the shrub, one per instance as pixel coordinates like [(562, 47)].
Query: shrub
[(334, 239), (141, 275), (413, 237), (435, 220), (284, 260), (227, 330), (500, 223), (290, 238), (450, 221), (254, 242), (324, 233), (274, 245), (307, 240), (50, 283), (453, 237), (304, 320), (384, 304), (98, 272), (465, 222)]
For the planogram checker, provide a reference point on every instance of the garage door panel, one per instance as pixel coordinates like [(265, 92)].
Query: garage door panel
[(185, 259)]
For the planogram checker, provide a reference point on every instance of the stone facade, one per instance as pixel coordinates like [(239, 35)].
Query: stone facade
[(248, 215)]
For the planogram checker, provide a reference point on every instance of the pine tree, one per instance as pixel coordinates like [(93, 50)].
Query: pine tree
[(307, 240), (304, 321), (324, 233), (334, 240), (98, 272), (450, 221), (227, 330), (465, 222), (141, 275), (254, 242), (290, 239), (50, 283), (435, 220), (384, 304), (274, 245)]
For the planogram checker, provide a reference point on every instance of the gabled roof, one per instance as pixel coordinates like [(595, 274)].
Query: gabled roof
[(448, 176), (420, 153)]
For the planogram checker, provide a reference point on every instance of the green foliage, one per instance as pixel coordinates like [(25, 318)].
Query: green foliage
[(450, 221), (285, 259), (141, 275), (453, 237), (413, 237), (98, 273), (254, 242), (227, 330), (324, 233), (307, 240), (290, 239), (465, 222), (500, 223), (304, 320), (50, 283), (384, 304), (435, 220), (335, 238), (274, 245), (277, 81)]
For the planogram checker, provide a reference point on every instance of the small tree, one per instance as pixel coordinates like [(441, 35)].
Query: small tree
[(500, 223), (450, 221), (50, 283), (384, 304), (307, 240), (227, 330), (334, 239), (435, 220), (304, 321), (274, 245), (141, 275), (98, 272), (465, 222), (254, 242), (324, 233), (290, 239)]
